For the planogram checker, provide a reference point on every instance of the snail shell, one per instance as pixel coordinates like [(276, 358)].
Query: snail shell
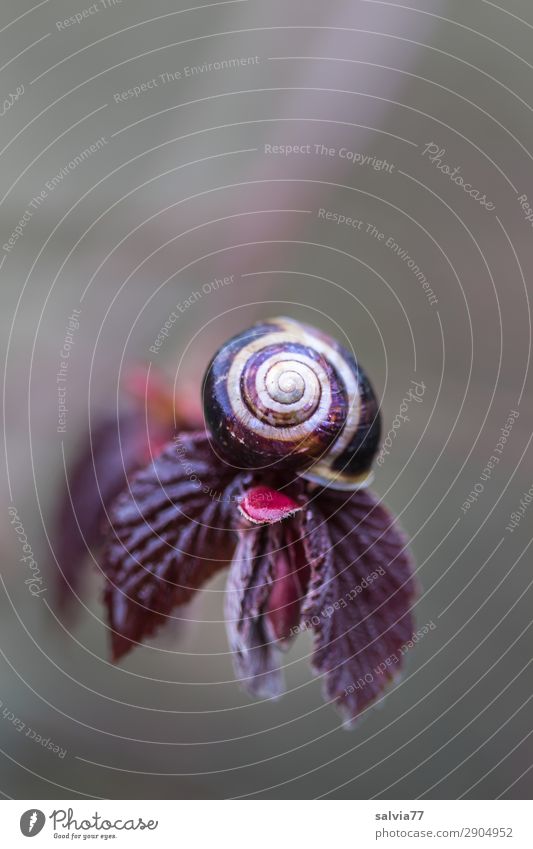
[(285, 396)]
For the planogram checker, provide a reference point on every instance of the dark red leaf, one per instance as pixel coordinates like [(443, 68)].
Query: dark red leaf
[(360, 596), (255, 658), (116, 449), (171, 531)]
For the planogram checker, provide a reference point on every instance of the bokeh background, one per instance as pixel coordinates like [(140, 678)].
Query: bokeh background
[(180, 191)]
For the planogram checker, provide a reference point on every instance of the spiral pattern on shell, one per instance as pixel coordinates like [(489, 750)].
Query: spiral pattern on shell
[(284, 395)]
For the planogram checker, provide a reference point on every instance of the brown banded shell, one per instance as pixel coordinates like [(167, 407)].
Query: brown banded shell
[(284, 395)]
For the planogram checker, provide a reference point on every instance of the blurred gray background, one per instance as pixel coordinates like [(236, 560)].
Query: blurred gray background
[(181, 190)]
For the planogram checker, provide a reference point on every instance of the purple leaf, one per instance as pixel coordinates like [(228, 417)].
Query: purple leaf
[(255, 658), (359, 599), (262, 504), (170, 532)]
